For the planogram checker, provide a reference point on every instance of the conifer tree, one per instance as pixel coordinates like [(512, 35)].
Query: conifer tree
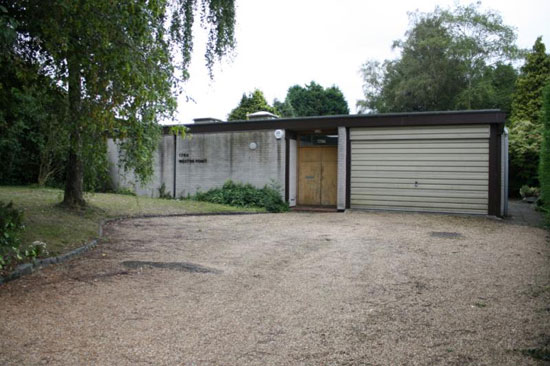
[(253, 102), (525, 120), (544, 168), (535, 73)]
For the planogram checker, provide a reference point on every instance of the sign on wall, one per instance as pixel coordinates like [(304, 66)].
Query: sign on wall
[(184, 159)]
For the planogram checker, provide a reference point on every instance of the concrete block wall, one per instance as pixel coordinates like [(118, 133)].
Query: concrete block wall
[(162, 165), (206, 161)]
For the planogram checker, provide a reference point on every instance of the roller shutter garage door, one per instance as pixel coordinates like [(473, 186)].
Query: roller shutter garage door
[(433, 169)]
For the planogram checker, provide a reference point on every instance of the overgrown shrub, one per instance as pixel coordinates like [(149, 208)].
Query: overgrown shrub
[(11, 226), (244, 195)]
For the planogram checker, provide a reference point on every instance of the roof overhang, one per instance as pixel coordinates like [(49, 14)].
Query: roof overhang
[(491, 116)]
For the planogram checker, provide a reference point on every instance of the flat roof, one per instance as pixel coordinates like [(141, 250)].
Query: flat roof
[(485, 116)]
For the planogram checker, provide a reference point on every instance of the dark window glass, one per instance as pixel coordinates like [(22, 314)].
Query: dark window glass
[(318, 140)]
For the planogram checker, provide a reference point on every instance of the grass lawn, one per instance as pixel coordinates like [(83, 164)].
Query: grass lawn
[(63, 230)]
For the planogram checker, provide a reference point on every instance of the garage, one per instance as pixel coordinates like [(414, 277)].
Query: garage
[(421, 168)]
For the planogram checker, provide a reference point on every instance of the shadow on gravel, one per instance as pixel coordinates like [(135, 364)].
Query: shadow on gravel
[(445, 235), (178, 266), (100, 276)]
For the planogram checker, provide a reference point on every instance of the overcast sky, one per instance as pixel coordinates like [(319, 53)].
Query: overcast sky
[(287, 42)]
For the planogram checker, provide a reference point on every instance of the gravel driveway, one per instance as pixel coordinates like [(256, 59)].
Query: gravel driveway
[(289, 289)]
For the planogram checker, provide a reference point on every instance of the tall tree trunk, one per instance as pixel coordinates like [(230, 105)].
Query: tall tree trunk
[(75, 170)]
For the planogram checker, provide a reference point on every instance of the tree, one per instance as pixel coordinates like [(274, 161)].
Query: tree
[(115, 62), (544, 169), (535, 73), (479, 40), (32, 138), (314, 100), (253, 102), (36, 114), (284, 108), (525, 120), (524, 148), (425, 78), (496, 88), (446, 62)]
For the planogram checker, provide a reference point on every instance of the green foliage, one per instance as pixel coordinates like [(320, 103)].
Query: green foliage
[(35, 250), (314, 100), (535, 74), (125, 191), (179, 130), (425, 78), (97, 177), (450, 59), (116, 63), (479, 39), (163, 193), (496, 88), (544, 168), (526, 126), (524, 148), (11, 226), (32, 138), (245, 195), (253, 102), (284, 109), (526, 191)]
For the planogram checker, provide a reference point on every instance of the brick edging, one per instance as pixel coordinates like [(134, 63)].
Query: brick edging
[(28, 268)]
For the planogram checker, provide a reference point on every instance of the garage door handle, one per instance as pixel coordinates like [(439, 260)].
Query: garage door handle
[(415, 183)]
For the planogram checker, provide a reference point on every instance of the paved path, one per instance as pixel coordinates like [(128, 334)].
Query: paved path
[(523, 213), (288, 289)]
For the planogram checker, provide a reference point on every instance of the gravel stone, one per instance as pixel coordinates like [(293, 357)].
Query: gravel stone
[(354, 288)]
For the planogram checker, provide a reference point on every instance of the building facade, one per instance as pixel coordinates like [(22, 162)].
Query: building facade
[(451, 162)]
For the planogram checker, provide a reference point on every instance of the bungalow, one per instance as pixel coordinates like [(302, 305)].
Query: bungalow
[(451, 162)]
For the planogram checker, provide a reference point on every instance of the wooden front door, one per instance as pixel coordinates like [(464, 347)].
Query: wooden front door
[(317, 175)]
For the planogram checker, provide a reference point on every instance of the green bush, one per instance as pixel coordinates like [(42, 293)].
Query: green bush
[(526, 191), (11, 226), (244, 195)]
